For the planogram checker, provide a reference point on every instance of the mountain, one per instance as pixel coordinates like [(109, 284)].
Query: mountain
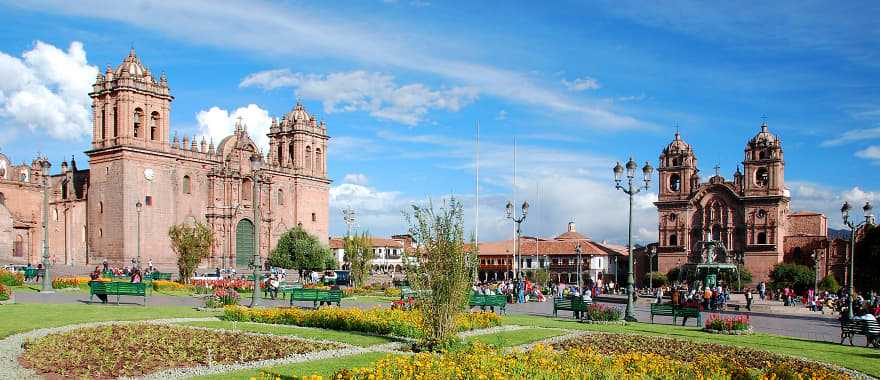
[(838, 234)]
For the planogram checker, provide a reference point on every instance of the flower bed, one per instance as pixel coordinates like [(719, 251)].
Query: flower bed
[(5, 293), (11, 278), (602, 313), (542, 362), (239, 285), (69, 282), (223, 297), (728, 325), (164, 285), (404, 323), (735, 358), (137, 349)]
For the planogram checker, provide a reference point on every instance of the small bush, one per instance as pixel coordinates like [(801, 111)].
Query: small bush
[(11, 278), (719, 323), (829, 284), (223, 297), (659, 279), (5, 292), (162, 285), (598, 312), (794, 276)]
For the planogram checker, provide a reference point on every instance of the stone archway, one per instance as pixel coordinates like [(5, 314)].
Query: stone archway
[(244, 243)]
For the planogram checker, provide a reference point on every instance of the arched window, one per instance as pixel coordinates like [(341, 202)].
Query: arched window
[(675, 182), (100, 232), (676, 161), (280, 155), (100, 207), (762, 238), (138, 121), (762, 177), (314, 217), (716, 232), (280, 197), (246, 190), (115, 123), (308, 157), (154, 126), (2, 199), (673, 240), (187, 185), (291, 152), (318, 162), (763, 154), (103, 124), (18, 248)]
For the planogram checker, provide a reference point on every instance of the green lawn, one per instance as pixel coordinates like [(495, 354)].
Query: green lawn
[(515, 337), (19, 318), (858, 358), (325, 368), (320, 334)]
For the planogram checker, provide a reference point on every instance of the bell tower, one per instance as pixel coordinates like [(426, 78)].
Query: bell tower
[(764, 165), (299, 142), (130, 107), (677, 169)]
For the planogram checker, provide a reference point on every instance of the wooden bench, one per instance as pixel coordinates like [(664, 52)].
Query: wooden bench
[(316, 295), (670, 310), (851, 328), (117, 289), (491, 300), (575, 305), (160, 276)]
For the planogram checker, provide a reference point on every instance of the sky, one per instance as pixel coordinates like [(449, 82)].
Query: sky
[(571, 87)]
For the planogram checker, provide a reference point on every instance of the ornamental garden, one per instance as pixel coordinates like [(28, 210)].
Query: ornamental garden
[(432, 328)]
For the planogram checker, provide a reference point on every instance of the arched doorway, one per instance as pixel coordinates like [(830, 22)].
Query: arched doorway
[(244, 243)]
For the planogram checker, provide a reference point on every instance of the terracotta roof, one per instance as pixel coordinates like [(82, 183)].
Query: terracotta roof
[(339, 243), (571, 235), (549, 247)]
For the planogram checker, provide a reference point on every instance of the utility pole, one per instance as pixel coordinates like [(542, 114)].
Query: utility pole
[(350, 218)]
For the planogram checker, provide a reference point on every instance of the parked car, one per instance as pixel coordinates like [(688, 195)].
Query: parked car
[(343, 277)]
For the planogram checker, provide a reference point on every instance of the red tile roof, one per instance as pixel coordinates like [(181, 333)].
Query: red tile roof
[(339, 243), (550, 247)]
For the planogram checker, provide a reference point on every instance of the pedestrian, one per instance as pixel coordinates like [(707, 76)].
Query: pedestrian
[(136, 277), (749, 297), (762, 290)]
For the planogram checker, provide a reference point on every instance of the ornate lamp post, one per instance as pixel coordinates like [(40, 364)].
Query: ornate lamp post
[(869, 219), (651, 253), (139, 207), (47, 280), (256, 163), (511, 215), (631, 191)]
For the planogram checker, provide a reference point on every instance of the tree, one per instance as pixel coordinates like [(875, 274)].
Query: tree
[(730, 279), (794, 276), (867, 273), (442, 266), (541, 276), (191, 243), (359, 254), (298, 249), (829, 284), (655, 278)]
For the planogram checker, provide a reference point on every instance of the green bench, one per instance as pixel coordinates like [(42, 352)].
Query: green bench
[(118, 289), (574, 304), (160, 276), (406, 293), (670, 310), (851, 328), (316, 295), (493, 301), (29, 273)]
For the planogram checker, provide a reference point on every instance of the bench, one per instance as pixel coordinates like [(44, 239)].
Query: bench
[(491, 300), (851, 328), (575, 305), (160, 276), (30, 273), (316, 295), (670, 310), (117, 289), (406, 293)]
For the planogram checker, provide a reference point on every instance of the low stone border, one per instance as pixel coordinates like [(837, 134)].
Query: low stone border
[(492, 330), (592, 322), (730, 332)]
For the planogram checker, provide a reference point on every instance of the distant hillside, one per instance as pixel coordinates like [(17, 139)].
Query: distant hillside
[(838, 234)]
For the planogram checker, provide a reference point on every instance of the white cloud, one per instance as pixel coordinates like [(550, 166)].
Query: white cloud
[(47, 89), (375, 93), (217, 123), (826, 200), (870, 153), (632, 98), (581, 84), (379, 212), (502, 115), (855, 135), (355, 179)]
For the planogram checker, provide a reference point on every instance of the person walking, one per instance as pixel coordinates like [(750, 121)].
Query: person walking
[(762, 290), (749, 297)]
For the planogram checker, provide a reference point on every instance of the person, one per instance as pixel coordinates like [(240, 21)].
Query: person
[(106, 265), (749, 297), (659, 295), (273, 286), (150, 265), (762, 290), (40, 273), (95, 276), (136, 276), (707, 298)]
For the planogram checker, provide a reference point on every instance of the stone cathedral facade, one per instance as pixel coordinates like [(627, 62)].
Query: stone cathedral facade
[(134, 158)]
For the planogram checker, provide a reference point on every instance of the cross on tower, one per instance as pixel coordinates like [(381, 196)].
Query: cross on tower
[(717, 170), (764, 118)]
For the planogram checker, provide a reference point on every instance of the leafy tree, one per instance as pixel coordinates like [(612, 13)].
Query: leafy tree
[(795, 276), (655, 278), (441, 266), (191, 243), (541, 276), (829, 284), (730, 277), (867, 273), (298, 249), (359, 253)]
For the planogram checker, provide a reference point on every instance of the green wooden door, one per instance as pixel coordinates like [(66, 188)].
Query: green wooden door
[(244, 243)]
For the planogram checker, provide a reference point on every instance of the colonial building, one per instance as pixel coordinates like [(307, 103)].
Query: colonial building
[(141, 175), (749, 215), (388, 254), (558, 255)]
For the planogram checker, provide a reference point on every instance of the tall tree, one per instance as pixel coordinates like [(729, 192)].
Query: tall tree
[(867, 273), (192, 244), (441, 267), (359, 254), (298, 249)]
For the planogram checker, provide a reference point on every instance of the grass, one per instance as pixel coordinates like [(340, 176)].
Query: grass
[(515, 337), (857, 358), (324, 367), (352, 338), (20, 318)]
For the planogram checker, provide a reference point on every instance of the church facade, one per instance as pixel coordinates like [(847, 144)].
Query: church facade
[(749, 215), (141, 175)]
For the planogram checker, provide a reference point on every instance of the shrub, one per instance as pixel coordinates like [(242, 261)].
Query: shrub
[(655, 278), (163, 285), (598, 312), (797, 277), (239, 285), (391, 292), (223, 297), (829, 284), (5, 292), (719, 323), (11, 278), (69, 282)]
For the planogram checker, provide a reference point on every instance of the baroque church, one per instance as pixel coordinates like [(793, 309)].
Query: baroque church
[(142, 180), (749, 215)]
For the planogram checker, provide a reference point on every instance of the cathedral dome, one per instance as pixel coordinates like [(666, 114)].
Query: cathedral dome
[(132, 65), (677, 145), (298, 113), (764, 137)]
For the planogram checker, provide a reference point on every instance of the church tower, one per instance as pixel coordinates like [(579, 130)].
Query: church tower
[(299, 142), (763, 165), (678, 179), (130, 107), (766, 199)]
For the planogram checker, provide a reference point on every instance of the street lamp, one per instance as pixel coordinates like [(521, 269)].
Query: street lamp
[(869, 219), (256, 163), (47, 280), (652, 252), (511, 215), (629, 190), (139, 207)]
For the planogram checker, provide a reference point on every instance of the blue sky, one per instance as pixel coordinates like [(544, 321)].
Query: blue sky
[(401, 85)]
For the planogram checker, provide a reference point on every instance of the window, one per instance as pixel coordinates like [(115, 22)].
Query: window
[(138, 121), (154, 126), (673, 240), (762, 214), (673, 217), (55, 214), (764, 154), (280, 154), (103, 124), (762, 238), (115, 123), (292, 153), (187, 185), (100, 232), (674, 182), (676, 161), (148, 200), (100, 207), (18, 248), (314, 217), (2, 199), (762, 177), (246, 190), (318, 166), (308, 157), (716, 232), (280, 197), (64, 190)]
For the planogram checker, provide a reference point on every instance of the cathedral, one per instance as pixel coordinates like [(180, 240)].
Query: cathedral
[(749, 215), (142, 180)]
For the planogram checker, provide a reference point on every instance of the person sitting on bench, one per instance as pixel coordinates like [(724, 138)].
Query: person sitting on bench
[(94, 277)]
